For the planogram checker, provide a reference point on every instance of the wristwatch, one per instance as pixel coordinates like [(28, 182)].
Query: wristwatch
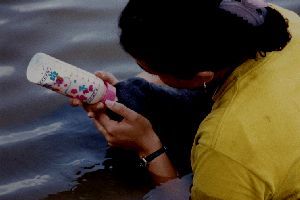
[(144, 161)]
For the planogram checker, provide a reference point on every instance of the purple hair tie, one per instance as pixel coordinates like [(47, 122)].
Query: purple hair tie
[(253, 11)]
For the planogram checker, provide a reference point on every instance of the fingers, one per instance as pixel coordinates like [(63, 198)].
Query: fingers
[(88, 107), (122, 110), (107, 127), (102, 130), (91, 109), (102, 122), (107, 123), (91, 115), (107, 76), (97, 107), (75, 102)]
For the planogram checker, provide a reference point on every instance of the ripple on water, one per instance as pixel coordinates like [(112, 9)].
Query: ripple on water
[(99, 36), (6, 70), (3, 21), (26, 183), (37, 6), (31, 134), (58, 4)]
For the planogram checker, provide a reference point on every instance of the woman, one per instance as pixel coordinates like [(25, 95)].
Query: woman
[(248, 147)]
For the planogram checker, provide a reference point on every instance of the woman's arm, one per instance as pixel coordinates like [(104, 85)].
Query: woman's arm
[(135, 132)]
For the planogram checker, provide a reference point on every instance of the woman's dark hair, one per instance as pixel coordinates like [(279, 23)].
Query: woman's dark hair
[(182, 38)]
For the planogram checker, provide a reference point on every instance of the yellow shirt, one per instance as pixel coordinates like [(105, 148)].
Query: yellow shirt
[(248, 147)]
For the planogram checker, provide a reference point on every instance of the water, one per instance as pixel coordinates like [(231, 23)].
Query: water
[(46, 146), (48, 149)]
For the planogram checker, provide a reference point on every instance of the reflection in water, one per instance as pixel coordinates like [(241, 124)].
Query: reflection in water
[(6, 70), (3, 21), (27, 183), (59, 4), (105, 185), (25, 135), (38, 6), (103, 35)]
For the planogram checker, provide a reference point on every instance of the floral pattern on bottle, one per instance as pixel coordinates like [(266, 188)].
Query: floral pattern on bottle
[(72, 89)]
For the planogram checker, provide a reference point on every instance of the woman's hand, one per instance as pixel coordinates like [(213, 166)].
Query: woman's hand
[(133, 132)]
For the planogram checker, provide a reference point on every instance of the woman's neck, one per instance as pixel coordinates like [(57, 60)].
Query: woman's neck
[(220, 77)]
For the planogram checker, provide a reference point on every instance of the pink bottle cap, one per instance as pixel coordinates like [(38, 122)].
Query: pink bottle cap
[(110, 93)]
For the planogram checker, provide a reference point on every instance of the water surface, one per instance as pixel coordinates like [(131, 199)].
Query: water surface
[(45, 145), (48, 149)]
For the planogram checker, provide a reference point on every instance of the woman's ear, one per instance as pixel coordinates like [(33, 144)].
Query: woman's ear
[(205, 76)]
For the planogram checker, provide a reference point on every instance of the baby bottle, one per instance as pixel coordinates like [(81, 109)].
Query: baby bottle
[(68, 80)]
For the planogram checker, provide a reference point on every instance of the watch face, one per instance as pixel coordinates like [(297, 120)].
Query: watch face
[(142, 163)]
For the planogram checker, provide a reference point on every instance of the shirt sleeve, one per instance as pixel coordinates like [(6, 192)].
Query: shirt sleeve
[(216, 176), (176, 189)]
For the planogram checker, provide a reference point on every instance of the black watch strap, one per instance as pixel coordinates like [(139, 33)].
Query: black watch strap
[(144, 161)]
